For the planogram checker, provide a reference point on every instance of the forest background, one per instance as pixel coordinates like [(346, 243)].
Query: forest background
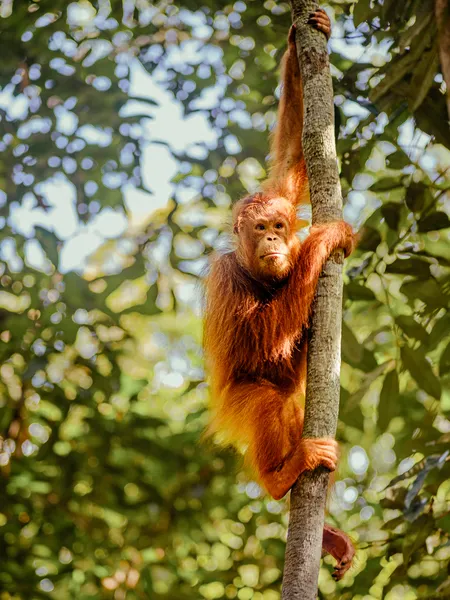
[(126, 131)]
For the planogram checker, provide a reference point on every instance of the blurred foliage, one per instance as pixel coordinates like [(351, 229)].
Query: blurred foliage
[(106, 490)]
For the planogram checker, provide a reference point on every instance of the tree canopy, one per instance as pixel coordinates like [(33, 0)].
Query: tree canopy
[(106, 488)]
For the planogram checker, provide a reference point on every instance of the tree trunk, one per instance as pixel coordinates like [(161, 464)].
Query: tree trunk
[(308, 495), (442, 11)]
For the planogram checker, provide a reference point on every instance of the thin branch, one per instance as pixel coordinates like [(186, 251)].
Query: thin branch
[(303, 552)]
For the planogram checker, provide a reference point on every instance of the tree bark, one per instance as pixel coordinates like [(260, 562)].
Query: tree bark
[(442, 11), (308, 496)]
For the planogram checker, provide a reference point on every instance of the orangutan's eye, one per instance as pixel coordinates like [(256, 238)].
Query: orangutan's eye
[(279, 226), (259, 227)]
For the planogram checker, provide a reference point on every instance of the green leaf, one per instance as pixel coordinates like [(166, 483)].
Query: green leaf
[(435, 256), (147, 579), (440, 330), (424, 19), (352, 350), (369, 239), (149, 307), (49, 243), (194, 416), (6, 417), (433, 222), (385, 184), (420, 370), (394, 523), (391, 212), (410, 266), (431, 114), (400, 68), (427, 465), (354, 417), (398, 160), (395, 499), (372, 569), (412, 328), (444, 362), (357, 292), (354, 399), (415, 196), (388, 10), (430, 292), (417, 535), (388, 404), (361, 11), (423, 75)]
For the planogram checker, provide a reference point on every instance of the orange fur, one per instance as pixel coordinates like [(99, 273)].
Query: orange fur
[(255, 346), (257, 318), (288, 170)]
